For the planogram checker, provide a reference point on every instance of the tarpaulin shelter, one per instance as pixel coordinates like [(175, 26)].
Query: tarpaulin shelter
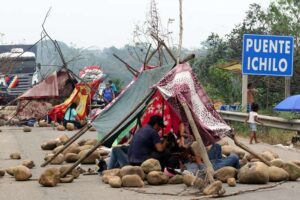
[(81, 95), (38, 100), (175, 85)]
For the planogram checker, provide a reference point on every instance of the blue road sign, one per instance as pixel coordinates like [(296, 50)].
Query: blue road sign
[(268, 55)]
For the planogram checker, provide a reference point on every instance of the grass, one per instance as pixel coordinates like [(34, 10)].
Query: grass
[(264, 134)]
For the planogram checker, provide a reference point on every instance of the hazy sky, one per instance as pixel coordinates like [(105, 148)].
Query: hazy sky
[(104, 23)]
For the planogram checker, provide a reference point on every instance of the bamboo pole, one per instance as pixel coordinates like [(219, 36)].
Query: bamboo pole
[(151, 55), (164, 44), (146, 56), (188, 58), (180, 32), (246, 148), (68, 143), (203, 152), (107, 136)]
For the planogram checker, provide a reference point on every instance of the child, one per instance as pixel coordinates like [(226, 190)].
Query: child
[(252, 120)]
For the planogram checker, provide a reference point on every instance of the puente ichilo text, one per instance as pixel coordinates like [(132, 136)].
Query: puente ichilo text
[(268, 55)]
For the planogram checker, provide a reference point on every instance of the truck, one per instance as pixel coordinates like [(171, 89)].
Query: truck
[(18, 70)]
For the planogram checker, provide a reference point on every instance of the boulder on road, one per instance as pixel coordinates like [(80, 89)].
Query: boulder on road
[(68, 179), (129, 170), (213, 188), (50, 145), (293, 170), (151, 165), (50, 177), (71, 157), (228, 149), (59, 159), (225, 173), (231, 182), (75, 173), (157, 178), (115, 182), (60, 128), (277, 162), (254, 173), (132, 181), (2, 172), (26, 129), (15, 156), (277, 174), (22, 173), (28, 163), (91, 159), (70, 127), (177, 179)]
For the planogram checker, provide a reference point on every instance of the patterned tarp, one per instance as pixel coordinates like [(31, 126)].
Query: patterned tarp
[(181, 85)]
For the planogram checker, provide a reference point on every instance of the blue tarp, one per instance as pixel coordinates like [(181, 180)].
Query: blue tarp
[(290, 104)]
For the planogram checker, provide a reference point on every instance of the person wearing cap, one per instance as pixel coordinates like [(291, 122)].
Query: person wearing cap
[(146, 143)]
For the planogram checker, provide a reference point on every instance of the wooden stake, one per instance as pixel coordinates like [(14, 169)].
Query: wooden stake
[(107, 136), (246, 148), (180, 32), (188, 58), (133, 71), (203, 152)]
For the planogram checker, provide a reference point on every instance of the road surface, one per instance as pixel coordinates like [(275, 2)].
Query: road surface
[(91, 187)]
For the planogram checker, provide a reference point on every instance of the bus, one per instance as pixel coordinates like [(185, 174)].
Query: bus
[(17, 69)]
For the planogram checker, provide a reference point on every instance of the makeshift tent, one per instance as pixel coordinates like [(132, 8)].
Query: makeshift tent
[(81, 95), (179, 84), (37, 101)]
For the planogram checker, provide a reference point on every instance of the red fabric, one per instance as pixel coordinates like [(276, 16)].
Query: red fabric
[(58, 112), (46, 89), (158, 106)]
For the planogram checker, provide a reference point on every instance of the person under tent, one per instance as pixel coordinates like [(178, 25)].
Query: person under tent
[(71, 116), (108, 94)]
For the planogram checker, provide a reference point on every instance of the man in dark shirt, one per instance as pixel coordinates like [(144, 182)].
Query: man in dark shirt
[(146, 142)]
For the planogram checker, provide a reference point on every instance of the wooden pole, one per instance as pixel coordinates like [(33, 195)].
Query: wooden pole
[(152, 54), (180, 32), (244, 92), (130, 69), (246, 148), (68, 143), (164, 44), (107, 136), (188, 58), (203, 152), (287, 86), (146, 56)]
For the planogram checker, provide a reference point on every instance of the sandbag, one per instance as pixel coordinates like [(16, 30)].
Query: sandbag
[(50, 145), (277, 162), (90, 159), (60, 128)]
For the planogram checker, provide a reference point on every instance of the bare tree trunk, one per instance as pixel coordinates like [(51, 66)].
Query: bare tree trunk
[(180, 31)]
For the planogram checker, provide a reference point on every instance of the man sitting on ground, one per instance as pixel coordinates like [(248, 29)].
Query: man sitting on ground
[(146, 143)]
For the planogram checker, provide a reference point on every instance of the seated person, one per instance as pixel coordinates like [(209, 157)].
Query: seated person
[(118, 156), (71, 116), (215, 157), (185, 140), (146, 143), (108, 94)]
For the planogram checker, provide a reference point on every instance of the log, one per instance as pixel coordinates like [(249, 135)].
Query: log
[(188, 58), (246, 148), (203, 152), (133, 71)]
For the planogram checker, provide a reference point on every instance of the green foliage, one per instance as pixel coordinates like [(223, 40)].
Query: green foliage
[(280, 18)]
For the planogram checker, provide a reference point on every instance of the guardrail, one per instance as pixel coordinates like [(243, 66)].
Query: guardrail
[(268, 121)]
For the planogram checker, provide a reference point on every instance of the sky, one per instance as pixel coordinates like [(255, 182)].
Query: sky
[(106, 23)]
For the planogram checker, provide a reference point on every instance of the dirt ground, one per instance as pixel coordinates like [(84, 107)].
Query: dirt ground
[(91, 187)]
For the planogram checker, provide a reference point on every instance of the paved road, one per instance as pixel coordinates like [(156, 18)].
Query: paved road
[(91, 187)]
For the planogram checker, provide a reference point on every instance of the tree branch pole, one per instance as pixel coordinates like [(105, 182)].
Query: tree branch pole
[(180, 32), (152, 54), (188, 58), (203, 152), (246, 148), (68, 143), (146, 56), (106, 137), (131, 69), (164, 44)]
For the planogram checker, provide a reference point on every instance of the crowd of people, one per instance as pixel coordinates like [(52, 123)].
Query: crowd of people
[(175, 152)]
